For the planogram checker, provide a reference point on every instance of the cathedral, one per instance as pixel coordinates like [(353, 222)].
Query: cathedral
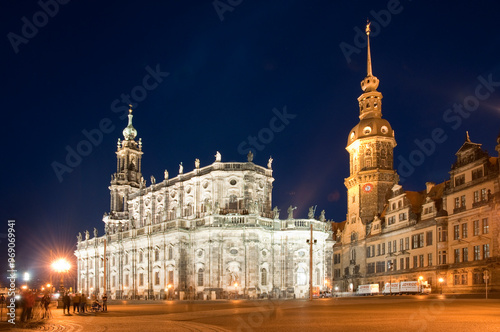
[(205, 234), (446, 236)]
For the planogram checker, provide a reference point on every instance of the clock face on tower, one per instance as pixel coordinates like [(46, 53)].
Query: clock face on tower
[(367, 187)]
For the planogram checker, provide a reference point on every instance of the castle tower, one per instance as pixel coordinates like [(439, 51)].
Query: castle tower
[(127, 178), (370, 145)]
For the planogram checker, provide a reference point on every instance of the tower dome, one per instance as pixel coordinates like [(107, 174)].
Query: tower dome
[(129, 132)]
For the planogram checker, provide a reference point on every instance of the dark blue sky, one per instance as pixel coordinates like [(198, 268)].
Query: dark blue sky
[(225, 78)]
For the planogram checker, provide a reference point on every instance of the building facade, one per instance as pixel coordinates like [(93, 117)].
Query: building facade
[(448, 234), (208, 233)]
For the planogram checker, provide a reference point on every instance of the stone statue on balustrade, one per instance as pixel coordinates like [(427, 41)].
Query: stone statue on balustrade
[(310, 215), (290, 211), (322, 216), (250, 156), (276, 213)]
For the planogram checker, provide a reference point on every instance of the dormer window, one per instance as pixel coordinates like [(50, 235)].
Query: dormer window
[(459, 180), (367, 130)]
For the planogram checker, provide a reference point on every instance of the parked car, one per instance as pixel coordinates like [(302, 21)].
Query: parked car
[(325, 294)]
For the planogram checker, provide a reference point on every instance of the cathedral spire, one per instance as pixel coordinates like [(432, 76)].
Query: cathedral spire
[(369, 57)]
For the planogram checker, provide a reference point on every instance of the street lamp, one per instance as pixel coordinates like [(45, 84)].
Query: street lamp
[(420, 279), (440, 280), (169, 286), (61, 266)]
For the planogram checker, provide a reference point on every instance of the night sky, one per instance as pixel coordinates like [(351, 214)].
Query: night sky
[(221, 75)]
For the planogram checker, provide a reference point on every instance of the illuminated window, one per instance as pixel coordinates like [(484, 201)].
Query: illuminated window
[(464, 231), (486, 251), (200, 277), (301, 276), (476, 227), (263, 277), (486, 227)]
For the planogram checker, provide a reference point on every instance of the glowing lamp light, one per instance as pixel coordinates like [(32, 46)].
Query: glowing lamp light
[(420, 278), (169, 286), (48, 285), (235, 284), (440, 280), (61, 265), (24, 287)]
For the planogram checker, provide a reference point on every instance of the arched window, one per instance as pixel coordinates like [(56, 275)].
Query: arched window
[(170, 253), (353, 254), (301, 276), (157, 255), (263, 277), (200, 277)]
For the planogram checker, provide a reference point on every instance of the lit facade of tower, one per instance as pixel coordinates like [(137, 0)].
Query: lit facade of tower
[(370, 145), (128, 176)]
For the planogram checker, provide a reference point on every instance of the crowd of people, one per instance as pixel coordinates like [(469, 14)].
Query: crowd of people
[(36, 305), (81, 303)]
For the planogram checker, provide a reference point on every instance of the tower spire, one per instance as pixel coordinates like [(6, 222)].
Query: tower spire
[(370, 82), (369, 57), (129, 132)]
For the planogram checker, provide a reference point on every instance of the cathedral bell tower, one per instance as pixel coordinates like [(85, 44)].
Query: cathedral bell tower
[(370, 145), (127, 178)]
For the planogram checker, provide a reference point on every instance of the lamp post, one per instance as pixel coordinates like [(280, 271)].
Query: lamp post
[(311, 241), (61, 266), (486, 277), (440, 280), (391, 265), (420, 283)]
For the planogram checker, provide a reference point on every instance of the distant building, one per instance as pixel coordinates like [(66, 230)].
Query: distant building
[(448, 233), (208, 233)]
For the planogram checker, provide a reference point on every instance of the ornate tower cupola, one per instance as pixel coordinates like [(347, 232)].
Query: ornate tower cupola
[(370, 145), (128, 176)]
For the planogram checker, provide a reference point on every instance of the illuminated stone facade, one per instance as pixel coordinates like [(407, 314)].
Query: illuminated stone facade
[(208, 233), (448, 233)]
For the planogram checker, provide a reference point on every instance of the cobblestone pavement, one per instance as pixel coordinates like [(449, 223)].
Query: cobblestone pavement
[(402, 313)]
